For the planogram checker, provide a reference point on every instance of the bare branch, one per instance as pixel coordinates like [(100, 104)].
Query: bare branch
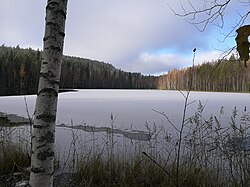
[(167, 118), (222, 56), (212, 12)]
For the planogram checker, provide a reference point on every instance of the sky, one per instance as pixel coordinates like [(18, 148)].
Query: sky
[(133, 35)]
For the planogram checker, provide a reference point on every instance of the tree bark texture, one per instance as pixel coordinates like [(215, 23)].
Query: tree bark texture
[(43, 134), (248, 73)]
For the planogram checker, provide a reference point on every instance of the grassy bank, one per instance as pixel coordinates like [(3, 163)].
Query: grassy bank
[(210, 154), (14, 157)]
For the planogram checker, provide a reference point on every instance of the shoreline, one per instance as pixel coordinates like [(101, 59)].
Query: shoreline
[(11, 120), (60, 91)]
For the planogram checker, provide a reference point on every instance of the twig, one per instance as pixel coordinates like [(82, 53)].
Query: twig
[(153, 160)]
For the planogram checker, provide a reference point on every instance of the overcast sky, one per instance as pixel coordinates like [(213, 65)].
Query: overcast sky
[(134, 35)]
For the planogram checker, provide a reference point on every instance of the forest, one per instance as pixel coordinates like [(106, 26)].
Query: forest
[(223, 76), (19, 73)]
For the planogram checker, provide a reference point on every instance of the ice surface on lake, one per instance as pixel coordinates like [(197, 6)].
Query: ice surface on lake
[(132, 108)]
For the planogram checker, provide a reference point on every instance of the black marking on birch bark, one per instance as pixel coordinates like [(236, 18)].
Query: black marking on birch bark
[(45, 38), (38, 147), (50, 137), (44, 155), (47, 117), (51, 24), (52, 4), (52, 47), (40, 126), (45, 62), (57, 48), (50, 174), (49, 76), (62, 34), (62, 13), (47, 138), (37, 169), (50, 91), (50, 72)]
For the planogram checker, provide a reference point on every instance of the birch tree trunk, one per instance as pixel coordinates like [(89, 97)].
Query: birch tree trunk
[(43, 134)]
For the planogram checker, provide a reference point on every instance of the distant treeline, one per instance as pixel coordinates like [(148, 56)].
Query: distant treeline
[(226, 76), (19, 73)]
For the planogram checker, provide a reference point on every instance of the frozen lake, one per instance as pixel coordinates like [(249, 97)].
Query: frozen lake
[(132, 108), (90, 110)]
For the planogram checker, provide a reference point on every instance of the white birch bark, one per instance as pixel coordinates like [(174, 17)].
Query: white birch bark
[(43, 134)]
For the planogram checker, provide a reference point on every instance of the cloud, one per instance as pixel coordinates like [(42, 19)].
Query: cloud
[(128, 34), (119, 31), (115, 29), (207, 56), (156, 64), (22, 22)]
